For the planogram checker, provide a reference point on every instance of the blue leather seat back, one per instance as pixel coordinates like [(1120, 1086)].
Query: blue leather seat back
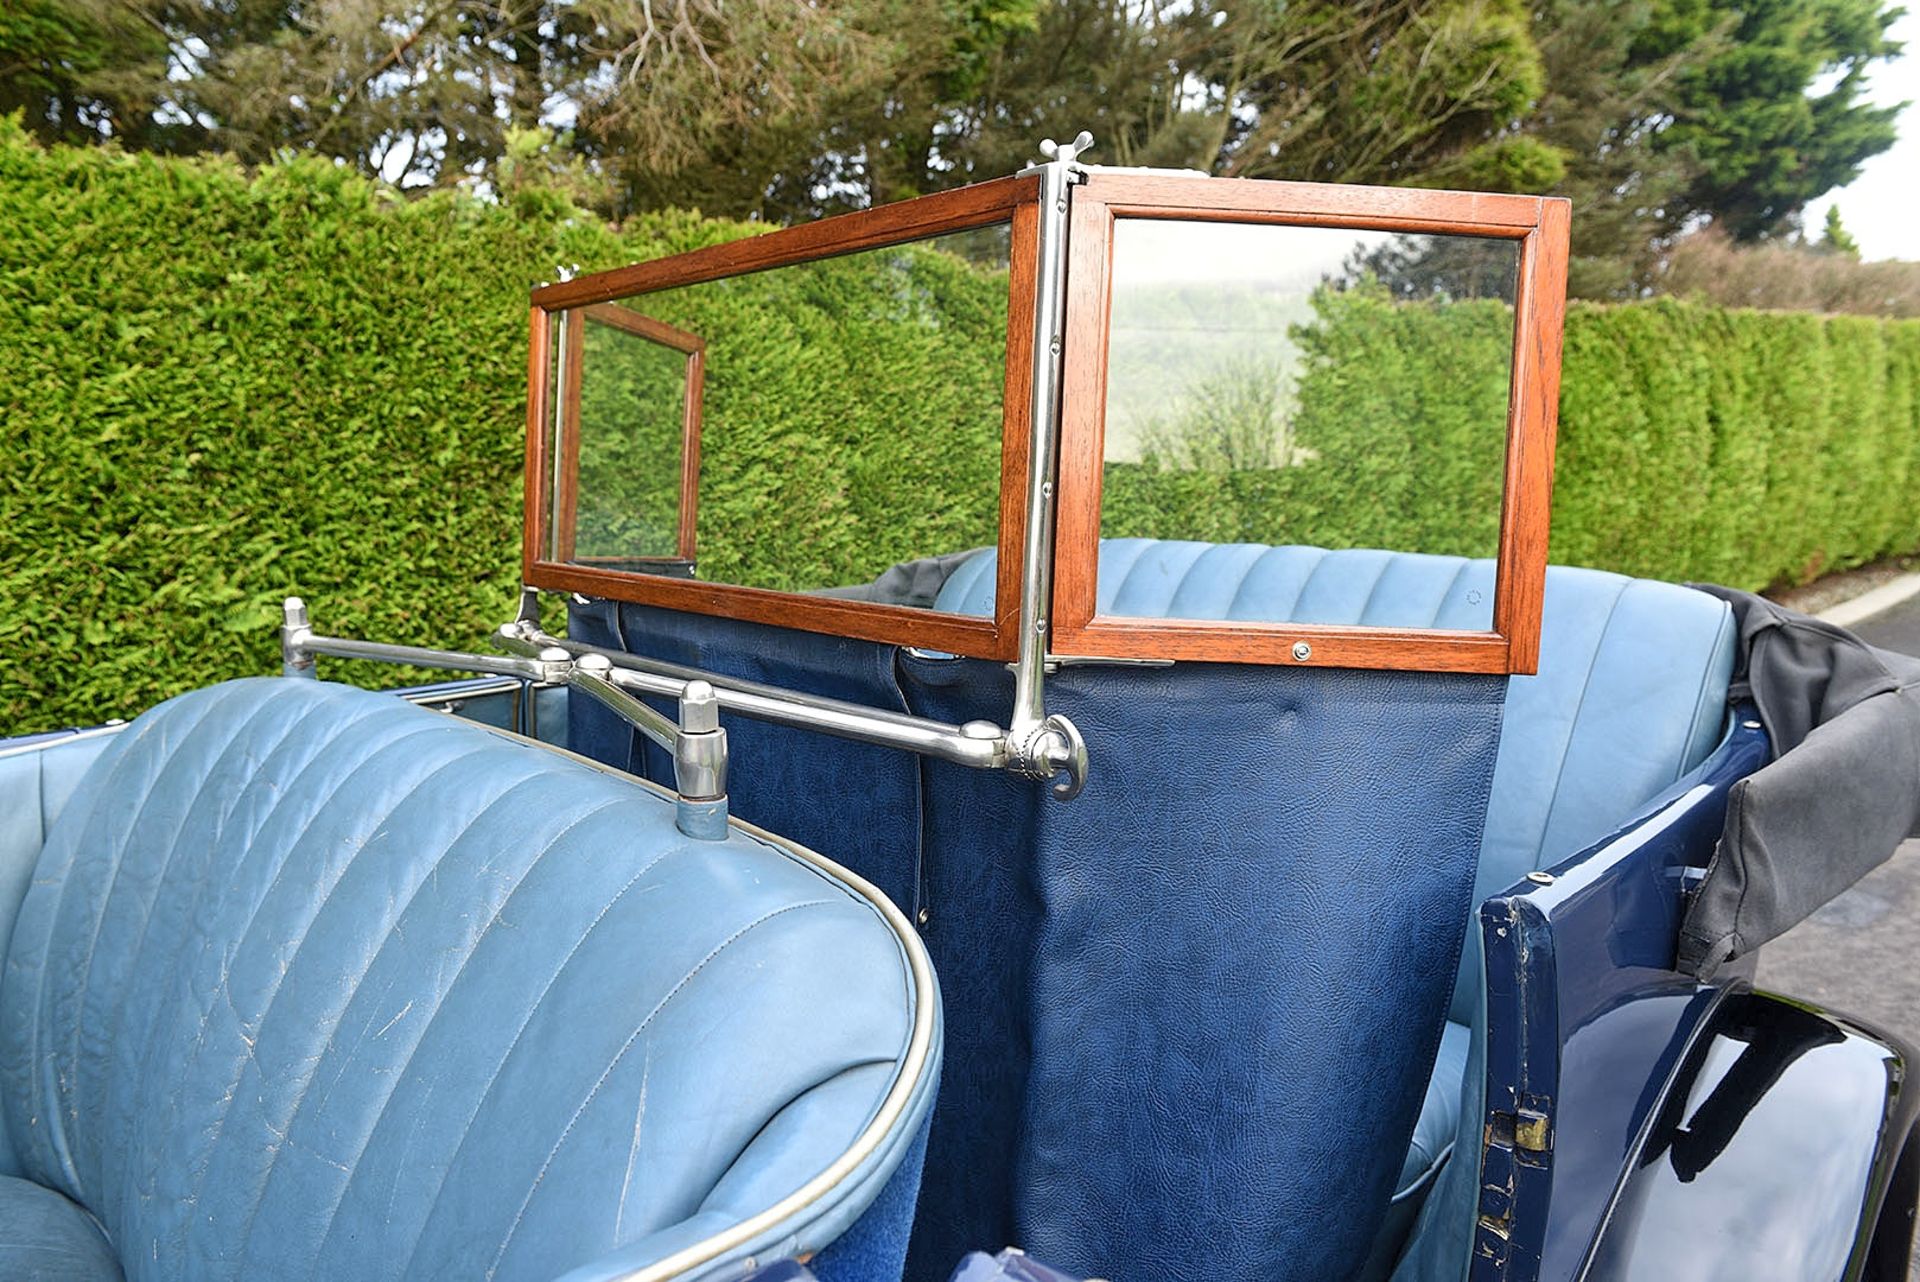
[(1630, 694), (315, 984)]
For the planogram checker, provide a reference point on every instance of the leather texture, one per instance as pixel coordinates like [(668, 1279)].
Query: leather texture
[(37, 776), (312, 983), (1265, 884), (45, 1237), (1630, 695)]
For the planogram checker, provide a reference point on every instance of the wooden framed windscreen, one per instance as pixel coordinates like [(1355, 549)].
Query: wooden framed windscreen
[(681, 358), (1302, 367), (761, 428)]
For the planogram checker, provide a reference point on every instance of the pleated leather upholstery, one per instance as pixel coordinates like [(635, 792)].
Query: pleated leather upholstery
[(312, 983)]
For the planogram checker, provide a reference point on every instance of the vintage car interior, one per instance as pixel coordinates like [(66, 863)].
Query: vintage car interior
[(1173, 667)]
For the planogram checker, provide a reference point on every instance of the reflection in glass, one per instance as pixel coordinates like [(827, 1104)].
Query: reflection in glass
[(638, 381), (850, 420), (1312, 385)]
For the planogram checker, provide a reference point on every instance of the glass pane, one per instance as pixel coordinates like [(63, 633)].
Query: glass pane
[(1319, 386), (850, 422), (634, 391)]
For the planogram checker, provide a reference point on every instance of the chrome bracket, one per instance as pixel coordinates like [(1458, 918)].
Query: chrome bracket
[(1050, 749), (698, 744)]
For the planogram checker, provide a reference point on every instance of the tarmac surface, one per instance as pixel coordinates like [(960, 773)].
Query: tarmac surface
[(1860, 955)]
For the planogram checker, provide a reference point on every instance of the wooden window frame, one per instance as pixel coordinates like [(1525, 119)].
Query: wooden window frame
[(1005, 200), (694, 349), (1538, 224)]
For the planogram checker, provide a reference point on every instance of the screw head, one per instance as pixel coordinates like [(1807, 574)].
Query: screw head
[(1540, 878), (1302, 651)]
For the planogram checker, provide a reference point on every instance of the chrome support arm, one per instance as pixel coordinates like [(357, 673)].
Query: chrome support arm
[(979, 744), (698, 744), (1043, 746)]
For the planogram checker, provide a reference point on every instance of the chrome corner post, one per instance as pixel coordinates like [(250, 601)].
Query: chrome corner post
[(700, 764), (696, 740), (295, 631), (1042, 746)]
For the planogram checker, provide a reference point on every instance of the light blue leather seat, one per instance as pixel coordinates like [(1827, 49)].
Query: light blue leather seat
[(1630, 695), (311, 983)]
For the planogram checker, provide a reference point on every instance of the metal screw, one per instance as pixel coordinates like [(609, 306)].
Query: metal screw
[(1046, 489), (1040, 626), (923, 917), (1054, 346), (1540, 878), (1302, 651)]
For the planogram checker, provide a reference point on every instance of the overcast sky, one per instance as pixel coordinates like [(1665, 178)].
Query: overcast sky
[(1882, 206)]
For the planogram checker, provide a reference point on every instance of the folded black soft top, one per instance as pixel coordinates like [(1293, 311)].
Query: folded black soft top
[(1841, 794)]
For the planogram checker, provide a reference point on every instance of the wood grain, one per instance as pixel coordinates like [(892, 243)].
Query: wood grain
[(947, 211), (1540, 225), (1083, 400), (1250, 200), (1221, 641), (539, 367), (567, 487), (1526, 514), (1005, 200), (1016, 433), (864, 620), (625, 318), (690, 452)]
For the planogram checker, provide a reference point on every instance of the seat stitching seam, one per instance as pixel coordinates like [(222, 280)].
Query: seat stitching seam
[(218, 1127), (580, 1111), (1386, 563), (533, 1008), (1434, 620), (400, 1071), (70, 1051), (306, 1085), (1701, 703), (1573, 726), (335, 734), (287, 728)]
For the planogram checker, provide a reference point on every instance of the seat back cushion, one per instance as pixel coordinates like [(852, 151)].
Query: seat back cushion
[(1630, 695), (312, 983)]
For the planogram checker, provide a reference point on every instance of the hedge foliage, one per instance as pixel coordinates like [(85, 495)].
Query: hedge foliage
[(219, 389), (850, 420), (1740, 447), (1399, 425)]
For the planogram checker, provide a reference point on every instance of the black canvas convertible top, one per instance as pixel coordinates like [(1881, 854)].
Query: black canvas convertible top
[(1840, 795)]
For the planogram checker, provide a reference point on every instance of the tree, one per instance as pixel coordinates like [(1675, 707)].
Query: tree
[(1765, 138), (1836, 239), (1385, 91), (1612, 67)]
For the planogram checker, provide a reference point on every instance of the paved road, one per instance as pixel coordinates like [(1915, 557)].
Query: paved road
[(1860, 955)]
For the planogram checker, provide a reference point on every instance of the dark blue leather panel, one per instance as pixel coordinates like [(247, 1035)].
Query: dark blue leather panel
[(44, 1237), (1630, 695), (313, 983), (1631, 692), (1162, 994)]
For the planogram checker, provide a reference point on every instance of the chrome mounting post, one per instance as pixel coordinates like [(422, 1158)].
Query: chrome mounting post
[(698, 744), (1041, 746), (696, 741)]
